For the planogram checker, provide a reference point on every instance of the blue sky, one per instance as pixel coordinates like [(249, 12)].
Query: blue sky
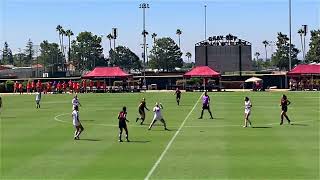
[(251, 20)]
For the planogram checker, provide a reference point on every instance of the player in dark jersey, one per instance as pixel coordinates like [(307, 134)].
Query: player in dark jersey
[(178, 96), (284, 103), (206, 105), (123, 123), (142, 113)]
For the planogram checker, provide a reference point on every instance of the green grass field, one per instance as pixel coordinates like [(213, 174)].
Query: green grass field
[(38, 143)]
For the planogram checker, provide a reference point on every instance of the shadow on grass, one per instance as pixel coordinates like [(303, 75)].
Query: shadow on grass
[(262, 127), (87, 139), (299, 124), (87, 120), (138, 141)]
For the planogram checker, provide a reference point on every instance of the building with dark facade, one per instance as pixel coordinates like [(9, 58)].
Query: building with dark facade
[(224, 54)]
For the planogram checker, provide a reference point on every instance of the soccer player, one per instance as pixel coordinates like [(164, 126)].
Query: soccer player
[(206, 105), (75, 102), (123, 123), (76, 123), (158, 116), (20, 88), (28, 87), (142, 113), (247, 111), (284, 103), (38, 99), (178, 95)]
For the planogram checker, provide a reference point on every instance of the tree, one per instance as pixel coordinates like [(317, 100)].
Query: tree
[(51, 56), (313, 54), (301, 33), (179, 32), (166, 55), (266, 43), (125, 58), (29, 51), (87, 51), (281, 57), (257, 54), (110, 37), (154, 35), (69, 33), (7, 57), (58, 29), (63, 33), (188, 55)]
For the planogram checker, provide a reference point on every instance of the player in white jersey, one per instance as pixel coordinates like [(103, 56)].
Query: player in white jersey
[(75, 102), (158, 116), (247, 111), (76, 123), (38, 99)]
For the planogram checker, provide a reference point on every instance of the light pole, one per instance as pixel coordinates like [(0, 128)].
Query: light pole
[(289, 35), (205, 22), (144, 6), (305, 30)]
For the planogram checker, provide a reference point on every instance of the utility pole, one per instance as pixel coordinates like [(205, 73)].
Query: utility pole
[(144, 6)]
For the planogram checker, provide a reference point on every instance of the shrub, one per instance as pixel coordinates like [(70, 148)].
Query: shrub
[(9, 86), (2, 87)]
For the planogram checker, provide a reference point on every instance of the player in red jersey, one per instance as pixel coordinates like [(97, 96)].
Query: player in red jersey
[(123, 123), (59, 88), (64, 86), (98, 85), (28, 87), (284, 103), (39, 86), (16, 87), (33, 86), (84, 86), (142, 113), (91, 85)]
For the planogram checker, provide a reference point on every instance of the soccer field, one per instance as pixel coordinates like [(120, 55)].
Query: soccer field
[(38, 143)]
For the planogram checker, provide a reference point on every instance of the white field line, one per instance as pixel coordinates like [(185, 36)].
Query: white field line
[(171, 141)]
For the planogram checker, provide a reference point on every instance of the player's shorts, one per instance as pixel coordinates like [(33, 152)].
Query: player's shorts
[(247, 111), (37, 101), (122, 124), (205, 106), (178, 96), (141, 112), (284, 108)]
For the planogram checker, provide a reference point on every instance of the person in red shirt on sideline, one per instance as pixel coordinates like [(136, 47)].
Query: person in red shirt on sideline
[(39, 86), (64, 86), (84, 86), (74, 87), (98, 85), (104, 86), (28, 87), (77, 87), (49, 86), (33, 86), (20, 88), (16, 87), (59, 87), (70, 85), (91, 85)]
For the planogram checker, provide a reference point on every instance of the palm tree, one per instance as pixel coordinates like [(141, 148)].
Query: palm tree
[(68, 34), (257, 54), (58, 29), (63, 33), (179, 32), (188, 55), (266, 43), (301, 33), (110, 37), (154, 35)]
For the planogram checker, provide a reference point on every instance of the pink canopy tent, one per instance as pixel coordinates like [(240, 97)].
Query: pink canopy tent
[(107, 72), (202, 72), (305, 69)]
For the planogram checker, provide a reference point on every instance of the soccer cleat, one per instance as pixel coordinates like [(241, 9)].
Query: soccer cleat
[(137, 119), (166, 129), (149, 129), (200, 118), (141, 123), (244, 126), (281, 123), (128, 140), (120, 140), (211, 118)]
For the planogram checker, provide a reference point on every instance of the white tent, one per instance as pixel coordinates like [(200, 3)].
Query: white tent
[(253, 79)]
